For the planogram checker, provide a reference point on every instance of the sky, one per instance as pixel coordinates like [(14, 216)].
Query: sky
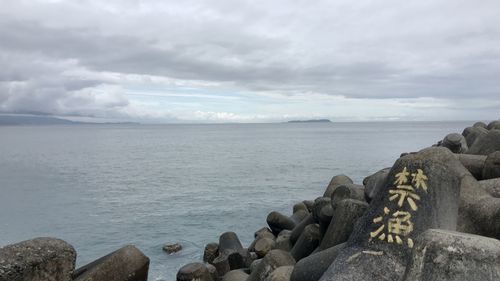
[(250, 61)]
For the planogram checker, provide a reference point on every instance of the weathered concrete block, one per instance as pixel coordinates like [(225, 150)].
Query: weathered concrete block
[(39, 259), (471, 134), (281, 273), (299, 228), (211, 252), (307, 242), (190, 272), (491, 168), (374, 183), (235, 275), (480, 124), (491, 186), (309, 204), (232, 255), (494, 125), (486, 144), (301, 206), (125, 264), (259, 234), (455, 142), (283, 241), (441, 255), (473, 163), (311, 268), (277, 221), (334, 182), (263, 246), (345, 215), (422, 192), (269, 263)]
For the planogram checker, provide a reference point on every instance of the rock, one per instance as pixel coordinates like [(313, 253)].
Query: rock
[(494, 125), (232, 255), (374, 183), (480, 125), (307, 242), (334, 182), (297, 230), (172, 248), (39, 259), (311, 268), (213, 271), (281, 273), (309, 204), (125, 264), (283, 241), (486, 144), (492, 166), (191, 272), (235, 275), (345, 214), (269, 263), (455, 142), (448, 255), (381, 241), (300, 206), (277, 222), (473, 163), (492, 186), (211, 252), (471, 134), (259, 234), (254, 265), (263, 246)]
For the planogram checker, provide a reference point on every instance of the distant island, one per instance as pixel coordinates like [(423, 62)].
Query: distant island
[(310, 121), (17, 120)]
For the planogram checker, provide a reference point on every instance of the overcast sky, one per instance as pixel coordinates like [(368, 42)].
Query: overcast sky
[(251, 61)]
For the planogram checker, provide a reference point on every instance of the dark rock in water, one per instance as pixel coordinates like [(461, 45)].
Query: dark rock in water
[(486, 144), (491, 186), (422, 192), (307, 242), (269, 263), (232, 255), (471, 134), (39, 259), (295, 234), (211, 252), (345, 214), (334, 182), (492, 166), (263, 246), (494, 125), (283, 240), (172, 248), (478, 209), (311, 268), (235, 275), (455, 142), (281, 273), (473, 163), (125, 264), (374, 183), (191, 272), (480, 125), (449, 255)]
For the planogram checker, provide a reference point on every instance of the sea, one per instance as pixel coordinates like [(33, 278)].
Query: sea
[(101, 187)]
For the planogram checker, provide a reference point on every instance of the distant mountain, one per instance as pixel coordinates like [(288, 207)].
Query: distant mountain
[(311, 121)]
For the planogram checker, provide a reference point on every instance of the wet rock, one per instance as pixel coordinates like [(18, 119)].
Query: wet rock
[(263, 246), (232, 255), (235, 275), (269, 263), (380, 244), (125, 264), (374, 183), (311, 268), (307, 242), (334, 182), (491, 166), (473, 163), (172, 248), (492, 186), (494, 125), (211, 252), (281, 273), (345, 215), (449, 255), (191, 272), (39, 259), (455, 142), (486, 144)]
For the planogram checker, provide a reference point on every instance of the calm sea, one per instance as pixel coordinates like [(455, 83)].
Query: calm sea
[(100, 187)]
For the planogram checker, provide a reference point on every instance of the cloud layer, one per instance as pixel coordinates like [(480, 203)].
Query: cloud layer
[(251, 60)]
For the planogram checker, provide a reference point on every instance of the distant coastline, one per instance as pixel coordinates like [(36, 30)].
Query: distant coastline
[(311, 121)]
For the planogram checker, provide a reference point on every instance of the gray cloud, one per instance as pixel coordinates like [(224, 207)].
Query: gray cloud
[(362, 50)]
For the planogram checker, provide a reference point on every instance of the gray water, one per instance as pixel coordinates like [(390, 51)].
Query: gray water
[(100, 187)]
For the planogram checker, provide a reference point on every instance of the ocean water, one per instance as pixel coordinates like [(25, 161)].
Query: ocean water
[(100, 187)]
